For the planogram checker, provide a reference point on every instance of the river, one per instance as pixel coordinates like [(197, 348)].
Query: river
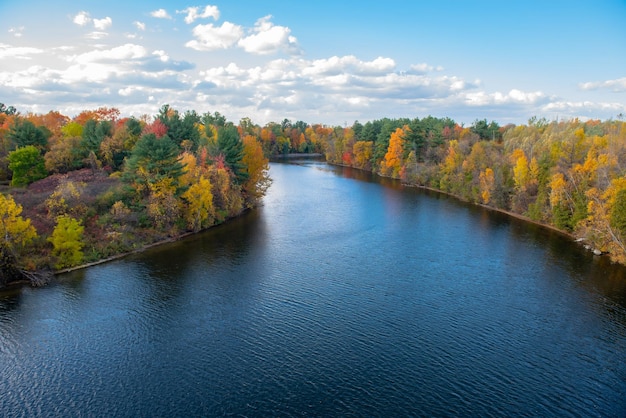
[(343, 295)]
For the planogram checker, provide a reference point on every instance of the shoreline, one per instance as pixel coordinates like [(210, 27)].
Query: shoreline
[(18, 284), (494, 209), (515, 215), (148, 246)]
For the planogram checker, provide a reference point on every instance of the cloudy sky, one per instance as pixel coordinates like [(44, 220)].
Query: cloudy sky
[(330, 62)]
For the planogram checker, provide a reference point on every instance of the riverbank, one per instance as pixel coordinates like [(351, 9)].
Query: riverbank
[(569, 235), (17, 284), (579, 240), (148, 246)]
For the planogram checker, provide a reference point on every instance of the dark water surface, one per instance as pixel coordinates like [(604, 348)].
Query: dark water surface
[(342, 296)]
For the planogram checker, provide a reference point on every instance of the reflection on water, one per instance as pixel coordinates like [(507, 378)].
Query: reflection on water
[(345, 294)]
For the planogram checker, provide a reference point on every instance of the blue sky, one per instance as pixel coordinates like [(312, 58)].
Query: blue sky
[(330, 62)]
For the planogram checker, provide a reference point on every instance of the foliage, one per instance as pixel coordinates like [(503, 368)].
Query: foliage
[(66, 199), (27, 165), (24, 133), (14, 230), (64, 155), (231, 147), (151, 161), (394, 160), (199, 212), (67, 241), (256, 166)]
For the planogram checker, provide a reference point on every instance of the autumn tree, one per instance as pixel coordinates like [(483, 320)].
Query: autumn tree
[(15, 234), (394, 157), (487, 183), (67, 241), (363, 151), (256, 166), (64, 155), (15, 231), (227, 196), (199, 212), (163, 206), (606, 222)]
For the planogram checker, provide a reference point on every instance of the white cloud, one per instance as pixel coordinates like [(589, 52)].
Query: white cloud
[(102, 24), (31, 77), (349, 63), (162, 55), (192, 13), (123, 52), (617, 85), (332, 87), (18, 52), (514, 96), (211, 38), (160, 14), (586, 107), (82, 18), (268, 38), (139, 25)]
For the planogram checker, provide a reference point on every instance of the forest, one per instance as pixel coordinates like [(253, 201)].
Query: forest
[(82, 189), (98, 185)]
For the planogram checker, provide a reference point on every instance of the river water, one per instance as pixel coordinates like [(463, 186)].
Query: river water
[(344, 295)]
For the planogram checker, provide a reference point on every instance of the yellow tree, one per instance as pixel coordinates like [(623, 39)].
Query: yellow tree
[(363, 151), (15, 231), (487, 184), (257, 168), (227, 198), (67, 241), (450, 168), (199, 211), (521, 169), (15, 234), (190, 170), (606, 222), (163, 206), (392, 163)]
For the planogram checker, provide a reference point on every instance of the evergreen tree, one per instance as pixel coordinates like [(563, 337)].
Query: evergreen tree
[(154, 159), (231, 147)]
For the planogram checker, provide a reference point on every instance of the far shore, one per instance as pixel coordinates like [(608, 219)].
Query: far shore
[(297, 155)]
